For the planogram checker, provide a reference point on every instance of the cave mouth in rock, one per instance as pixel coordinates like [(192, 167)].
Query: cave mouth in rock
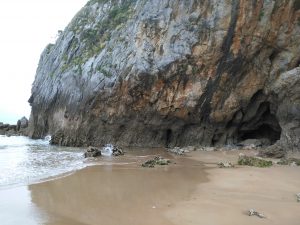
[(168, 137), (263, 132), (264, 125)]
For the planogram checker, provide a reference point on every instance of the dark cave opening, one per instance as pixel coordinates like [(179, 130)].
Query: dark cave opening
[(168, 137), (262, 125), (263, 132)]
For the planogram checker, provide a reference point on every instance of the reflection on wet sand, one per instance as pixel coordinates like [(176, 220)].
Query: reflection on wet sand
[(117, 194)]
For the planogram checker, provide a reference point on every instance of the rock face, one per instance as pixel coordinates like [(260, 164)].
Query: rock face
[(172, 73)]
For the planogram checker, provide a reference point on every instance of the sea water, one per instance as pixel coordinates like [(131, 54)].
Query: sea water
[(25, 161)]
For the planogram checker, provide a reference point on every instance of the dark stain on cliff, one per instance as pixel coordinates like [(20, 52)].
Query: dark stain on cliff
[(225, 64)]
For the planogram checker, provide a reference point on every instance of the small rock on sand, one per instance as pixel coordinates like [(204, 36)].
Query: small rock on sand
[(298, 197), (225, 165), (253, 212), (158, 160)]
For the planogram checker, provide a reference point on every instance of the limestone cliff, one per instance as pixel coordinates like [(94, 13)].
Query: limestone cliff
[(172, 73)]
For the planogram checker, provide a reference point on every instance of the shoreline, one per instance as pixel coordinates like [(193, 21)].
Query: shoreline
[(192, 191)]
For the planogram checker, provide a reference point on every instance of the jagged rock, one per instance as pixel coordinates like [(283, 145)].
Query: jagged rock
[(274, 151), (225, 165), (252, 212), (92, 152), (289, 161), (116, 151), (253, 161), (167, 73), (157, 160)]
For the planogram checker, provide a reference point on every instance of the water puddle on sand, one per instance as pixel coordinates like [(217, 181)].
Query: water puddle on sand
[(118, 192)]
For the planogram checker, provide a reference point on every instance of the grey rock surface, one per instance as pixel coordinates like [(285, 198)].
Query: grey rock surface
[(165, 73)]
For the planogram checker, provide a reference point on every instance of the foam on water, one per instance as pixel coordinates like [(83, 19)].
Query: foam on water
[(107, 150), (26, 161)]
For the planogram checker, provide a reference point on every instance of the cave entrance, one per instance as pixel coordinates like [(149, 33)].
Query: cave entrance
[(263, 125), (263, 132), (168, 137)]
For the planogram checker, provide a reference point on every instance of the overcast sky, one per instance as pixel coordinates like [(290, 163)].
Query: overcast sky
[(27, 26)]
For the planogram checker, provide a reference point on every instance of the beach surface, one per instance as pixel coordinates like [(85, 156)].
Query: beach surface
[(191, 190)]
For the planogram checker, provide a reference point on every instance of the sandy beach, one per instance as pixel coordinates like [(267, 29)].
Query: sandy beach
[(230, 193), (191, 190)]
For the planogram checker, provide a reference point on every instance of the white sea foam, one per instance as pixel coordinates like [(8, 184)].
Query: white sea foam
[(26, 161)]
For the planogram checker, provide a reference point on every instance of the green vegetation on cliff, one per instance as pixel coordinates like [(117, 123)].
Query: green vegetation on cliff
[(90, 41)]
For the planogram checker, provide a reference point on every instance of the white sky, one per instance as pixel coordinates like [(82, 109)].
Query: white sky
[(27, 26)]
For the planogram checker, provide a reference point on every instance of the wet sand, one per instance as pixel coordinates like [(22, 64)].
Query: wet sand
[(192, 191), (230, 193)]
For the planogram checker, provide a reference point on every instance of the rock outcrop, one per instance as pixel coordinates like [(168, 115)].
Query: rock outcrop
[(92, 152), (15, 130), (172, 73)]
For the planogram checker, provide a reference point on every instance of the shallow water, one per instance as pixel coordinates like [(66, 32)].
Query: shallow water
[(26, 161), (116, 191)]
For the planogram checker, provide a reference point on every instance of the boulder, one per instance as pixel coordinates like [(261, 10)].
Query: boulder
[(116, 151), (92, 152), (273, 151)]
